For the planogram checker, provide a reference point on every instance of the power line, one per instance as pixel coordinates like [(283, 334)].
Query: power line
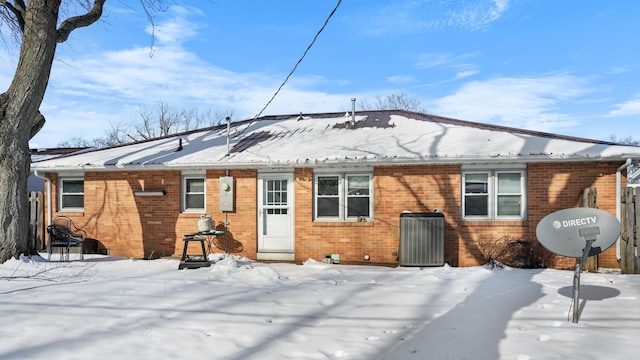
[(299, 61)]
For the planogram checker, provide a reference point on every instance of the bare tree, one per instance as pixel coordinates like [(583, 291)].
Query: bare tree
[(165, 120), (399, 101), (629, 140), (37, 27), (155, 122)]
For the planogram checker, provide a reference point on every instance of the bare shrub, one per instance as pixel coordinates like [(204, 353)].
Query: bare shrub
[(518, 253)]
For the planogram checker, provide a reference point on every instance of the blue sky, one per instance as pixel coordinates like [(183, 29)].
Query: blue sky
[(569, 67)]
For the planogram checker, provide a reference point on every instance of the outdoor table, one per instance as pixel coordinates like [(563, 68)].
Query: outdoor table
[(193, 261), (209, 236), (197, 261)]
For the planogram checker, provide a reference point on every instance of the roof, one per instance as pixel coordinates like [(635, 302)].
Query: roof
[(382, 137), (43, 154)]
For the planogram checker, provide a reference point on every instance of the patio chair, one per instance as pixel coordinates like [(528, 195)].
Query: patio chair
[(63, 234)]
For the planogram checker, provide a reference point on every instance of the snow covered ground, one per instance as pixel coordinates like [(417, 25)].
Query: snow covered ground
[(111, 308)]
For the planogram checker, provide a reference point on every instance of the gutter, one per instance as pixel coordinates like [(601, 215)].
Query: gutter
[(618, 203), (225, 163), (48, 182)]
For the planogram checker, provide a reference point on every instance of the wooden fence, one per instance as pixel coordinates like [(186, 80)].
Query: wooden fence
[(630, 220), (590, 200), (36, 221)]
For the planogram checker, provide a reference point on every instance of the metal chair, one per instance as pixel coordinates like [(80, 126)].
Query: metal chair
[(63, 234)]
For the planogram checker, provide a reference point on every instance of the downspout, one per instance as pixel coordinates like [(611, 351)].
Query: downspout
[(48, 182), (618, 204)]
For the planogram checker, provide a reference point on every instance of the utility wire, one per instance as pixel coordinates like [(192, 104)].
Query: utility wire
[(299, 61)]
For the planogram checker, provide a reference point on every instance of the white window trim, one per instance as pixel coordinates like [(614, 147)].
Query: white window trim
[(61, 180), (342, 197), (492, 193), (183, 192)]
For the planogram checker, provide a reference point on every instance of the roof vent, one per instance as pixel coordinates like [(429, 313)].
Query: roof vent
[(353, 111), (179, 145)]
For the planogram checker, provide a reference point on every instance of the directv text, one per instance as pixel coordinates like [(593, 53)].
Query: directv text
[(579, 222)]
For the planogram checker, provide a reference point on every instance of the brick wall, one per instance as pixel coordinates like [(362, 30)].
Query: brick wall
[(557, 186), (153, 226), (149, 227)]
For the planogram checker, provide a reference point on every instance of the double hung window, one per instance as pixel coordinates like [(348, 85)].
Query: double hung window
[(497, 195), (193, 193), (72, 194), (343, 197)]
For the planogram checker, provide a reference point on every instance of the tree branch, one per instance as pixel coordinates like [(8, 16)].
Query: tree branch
[(75, 22), (37, 126), (18, 10)]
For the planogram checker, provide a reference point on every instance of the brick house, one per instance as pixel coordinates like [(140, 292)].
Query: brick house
[(302, 186)]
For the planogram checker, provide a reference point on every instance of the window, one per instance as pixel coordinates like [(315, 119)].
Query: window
[(72, 194), (275, 196), (343, 197), (193, 193), (498, 195)]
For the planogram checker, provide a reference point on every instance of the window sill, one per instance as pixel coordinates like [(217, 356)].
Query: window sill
[(75, 212), (342, 223), (72, 210), (484, 221), (194, 212)]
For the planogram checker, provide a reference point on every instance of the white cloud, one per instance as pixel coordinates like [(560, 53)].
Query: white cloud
[(631, 107), (175, 30), (524, 102), (456, 67), (424, 15), (475, 15), (465, 74), (446, 60), (401, 79), (620, 69)]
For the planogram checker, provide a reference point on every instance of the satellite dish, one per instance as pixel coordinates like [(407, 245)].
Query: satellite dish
[(566, 232)]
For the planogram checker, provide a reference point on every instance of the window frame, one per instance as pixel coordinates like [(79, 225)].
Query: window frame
[(62, 194), (493, 195), (184, 193), (342, 196)]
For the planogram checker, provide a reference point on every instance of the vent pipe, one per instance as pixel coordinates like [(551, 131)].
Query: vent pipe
[(228, 134), (353, 111)]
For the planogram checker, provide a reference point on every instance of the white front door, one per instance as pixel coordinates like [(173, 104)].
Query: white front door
[(275, 213)]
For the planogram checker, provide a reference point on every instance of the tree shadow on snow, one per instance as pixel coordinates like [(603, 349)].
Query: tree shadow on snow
[(473, 328)]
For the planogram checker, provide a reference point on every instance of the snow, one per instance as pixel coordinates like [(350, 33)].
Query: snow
[(112, 308), (323, 140)]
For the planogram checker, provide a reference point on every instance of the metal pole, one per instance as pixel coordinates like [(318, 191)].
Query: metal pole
[(576, 280), (576, 290), (226, 232)]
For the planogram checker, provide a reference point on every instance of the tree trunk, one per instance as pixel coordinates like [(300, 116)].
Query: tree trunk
[(20, 120)]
